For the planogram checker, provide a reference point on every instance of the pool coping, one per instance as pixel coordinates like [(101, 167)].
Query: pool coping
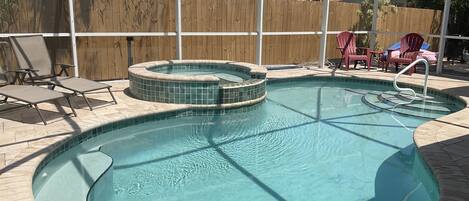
[(141, 70), (431, 142)]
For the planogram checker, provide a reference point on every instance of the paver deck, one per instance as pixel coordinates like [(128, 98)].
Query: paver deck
[(24, 140)]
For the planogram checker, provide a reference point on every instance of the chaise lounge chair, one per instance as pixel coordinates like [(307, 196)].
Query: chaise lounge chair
[(32, 95), (35, 63)]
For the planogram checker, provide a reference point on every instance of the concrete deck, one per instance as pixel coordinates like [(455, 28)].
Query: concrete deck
[(24, 140)]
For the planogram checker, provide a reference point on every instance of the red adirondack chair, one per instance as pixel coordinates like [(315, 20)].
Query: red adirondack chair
[(409, 50), (348, 49)]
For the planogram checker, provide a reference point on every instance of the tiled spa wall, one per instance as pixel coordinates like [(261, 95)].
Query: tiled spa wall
[(181, 92), (240, 92), (199, 93)]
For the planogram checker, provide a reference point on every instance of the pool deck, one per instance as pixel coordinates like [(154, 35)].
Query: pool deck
[(24, 140)]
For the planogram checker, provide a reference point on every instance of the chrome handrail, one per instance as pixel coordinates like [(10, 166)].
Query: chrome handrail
[(409, 89)]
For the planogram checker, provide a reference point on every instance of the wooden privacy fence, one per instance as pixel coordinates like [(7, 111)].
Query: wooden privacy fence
[(106, 57)]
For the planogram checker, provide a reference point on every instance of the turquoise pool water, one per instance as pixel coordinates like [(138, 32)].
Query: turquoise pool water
[(224, 74), (309, 140), (217, 73)]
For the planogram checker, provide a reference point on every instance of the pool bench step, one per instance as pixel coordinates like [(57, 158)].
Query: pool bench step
[(397, 105)]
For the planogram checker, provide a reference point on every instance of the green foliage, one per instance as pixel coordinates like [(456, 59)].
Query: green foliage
[(366, 17), (7, 11)]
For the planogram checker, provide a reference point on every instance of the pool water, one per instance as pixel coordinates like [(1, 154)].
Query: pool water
[(217, 73), (224, 74), (309, 140)]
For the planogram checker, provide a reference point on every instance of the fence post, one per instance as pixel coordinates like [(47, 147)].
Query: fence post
[(442, 42), (73, 36), (324, 24), (259, 19), (374, 26), (178, 30)]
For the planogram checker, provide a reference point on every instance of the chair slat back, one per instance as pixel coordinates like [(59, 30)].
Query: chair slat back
[(347, 41), (411, 42), (32, 53)]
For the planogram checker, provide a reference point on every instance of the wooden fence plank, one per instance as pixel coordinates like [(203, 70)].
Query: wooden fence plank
[(220, 47), (218, 16), (275, 48)]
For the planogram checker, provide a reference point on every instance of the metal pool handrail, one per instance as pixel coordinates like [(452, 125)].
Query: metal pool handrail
[(409, 89)]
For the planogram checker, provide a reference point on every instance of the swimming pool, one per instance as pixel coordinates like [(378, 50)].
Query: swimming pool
[(310, 140)]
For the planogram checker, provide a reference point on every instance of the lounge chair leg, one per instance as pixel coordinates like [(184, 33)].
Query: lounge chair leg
[(112, 95), (71, 107), (87, 102), (21, 79), (40, 114)]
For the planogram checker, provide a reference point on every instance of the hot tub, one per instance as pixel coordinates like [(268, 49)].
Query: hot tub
[(199, 82)]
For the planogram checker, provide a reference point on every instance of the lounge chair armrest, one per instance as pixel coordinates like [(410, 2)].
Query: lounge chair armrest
[(65, 65), (17, 71), (63, 68), (21, 73), (24, 70)]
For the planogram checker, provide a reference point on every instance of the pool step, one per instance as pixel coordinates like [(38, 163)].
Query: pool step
[(75, 178), (404, 101), (419, 98), (392, 101)]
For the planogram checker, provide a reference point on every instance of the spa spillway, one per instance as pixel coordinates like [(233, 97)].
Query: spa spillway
[(198, 82)]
